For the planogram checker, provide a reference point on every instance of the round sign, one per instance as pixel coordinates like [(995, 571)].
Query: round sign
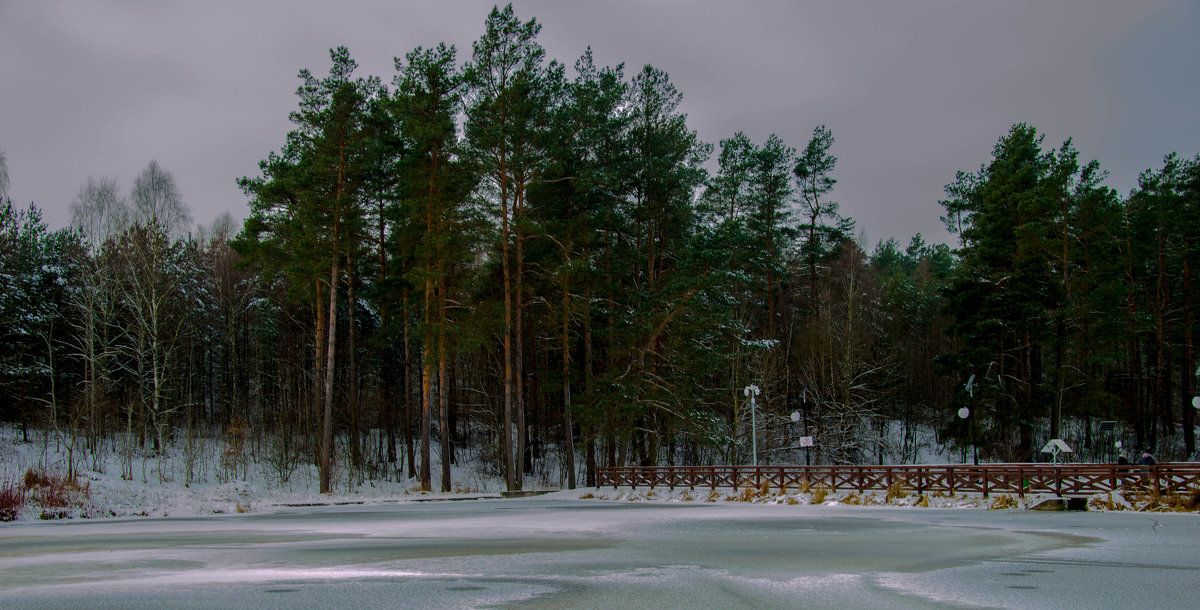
[(964, 412), (1196, 401), (795, 416)]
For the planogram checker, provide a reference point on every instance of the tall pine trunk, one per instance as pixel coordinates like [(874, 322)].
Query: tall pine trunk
[(522, 459), (510, 468), (355, 414), (321, 350), (589, 433), (408, 375), (427, 358), (331, 350), (443, 386), (1187, 375), (568, 432)]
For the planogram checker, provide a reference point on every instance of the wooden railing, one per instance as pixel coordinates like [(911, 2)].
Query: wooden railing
[(1060, 479)]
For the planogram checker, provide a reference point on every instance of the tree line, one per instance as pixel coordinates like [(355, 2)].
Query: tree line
[(505, 262)]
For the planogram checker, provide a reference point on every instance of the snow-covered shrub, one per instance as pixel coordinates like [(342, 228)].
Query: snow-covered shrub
[(283, 456)]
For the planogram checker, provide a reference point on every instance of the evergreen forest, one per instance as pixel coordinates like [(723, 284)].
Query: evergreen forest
[(539, 268)]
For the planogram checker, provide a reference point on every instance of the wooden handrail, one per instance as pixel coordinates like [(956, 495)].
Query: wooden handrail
[(1019, 478)]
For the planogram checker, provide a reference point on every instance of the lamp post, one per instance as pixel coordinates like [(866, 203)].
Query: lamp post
[(1196, 399), (752, 391), (965, 413)]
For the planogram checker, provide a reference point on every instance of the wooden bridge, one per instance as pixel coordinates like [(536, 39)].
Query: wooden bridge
[(1064, 480)]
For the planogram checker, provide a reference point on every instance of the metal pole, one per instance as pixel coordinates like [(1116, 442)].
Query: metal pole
[(807, 450), (754, 429), (752, 391), (971, 416), (974, 447)]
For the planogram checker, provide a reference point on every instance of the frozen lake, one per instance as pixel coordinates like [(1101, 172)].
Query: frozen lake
[(564, 552)]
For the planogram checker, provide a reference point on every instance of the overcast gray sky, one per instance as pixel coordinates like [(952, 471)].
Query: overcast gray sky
[(912, 90)]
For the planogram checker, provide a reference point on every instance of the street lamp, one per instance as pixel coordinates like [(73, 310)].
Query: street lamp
[(752, 391), (965, 413), (1196, 399)]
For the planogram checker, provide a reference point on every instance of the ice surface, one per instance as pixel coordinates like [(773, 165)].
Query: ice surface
[(561, 551)]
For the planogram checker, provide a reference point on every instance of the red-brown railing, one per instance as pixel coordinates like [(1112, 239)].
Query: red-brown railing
[(1020, 479)]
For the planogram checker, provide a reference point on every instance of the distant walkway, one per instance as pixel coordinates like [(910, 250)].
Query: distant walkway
[(1059, 479)]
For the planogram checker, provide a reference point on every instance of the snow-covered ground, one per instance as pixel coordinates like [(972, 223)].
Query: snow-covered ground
[(104, 493)]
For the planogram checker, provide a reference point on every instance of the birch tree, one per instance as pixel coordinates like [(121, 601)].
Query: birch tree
[(153, 271)]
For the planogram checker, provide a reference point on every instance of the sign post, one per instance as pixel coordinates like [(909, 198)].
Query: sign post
[(1055, 447)]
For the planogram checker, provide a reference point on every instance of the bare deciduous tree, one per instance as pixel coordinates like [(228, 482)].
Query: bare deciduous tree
[(156, 201), (97, 213), (98, 210), (3, 175), (154, 269)]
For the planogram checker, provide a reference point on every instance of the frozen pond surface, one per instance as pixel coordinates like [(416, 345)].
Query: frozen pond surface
[(563, 552)]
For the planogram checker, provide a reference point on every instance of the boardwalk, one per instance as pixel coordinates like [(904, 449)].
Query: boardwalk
[(1060, 479)]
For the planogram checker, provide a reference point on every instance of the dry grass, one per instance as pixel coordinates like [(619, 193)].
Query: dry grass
[(12, 500), (1003, 502), (1152, 501), (1186, 503), (819, 494), (587, 496), (745, 494), (36, 478), (897, 491), (59, 497), (713, 496)]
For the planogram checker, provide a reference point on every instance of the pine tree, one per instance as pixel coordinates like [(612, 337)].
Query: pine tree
[(507, 120), (1003, 297), (814, 169), (307, 208), (439, 183)]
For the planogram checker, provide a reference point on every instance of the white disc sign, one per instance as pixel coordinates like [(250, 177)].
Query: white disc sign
[(964, 412), (1196, 401)]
